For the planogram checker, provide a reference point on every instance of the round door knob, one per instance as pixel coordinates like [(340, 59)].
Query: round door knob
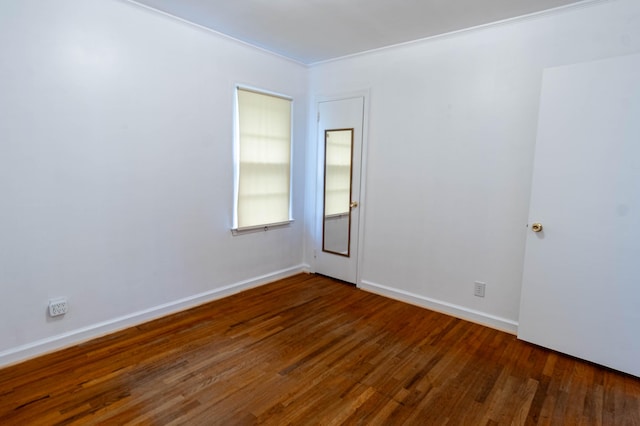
[(536, 227), (353, 204)]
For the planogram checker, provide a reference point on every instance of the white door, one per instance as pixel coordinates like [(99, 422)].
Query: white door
[(581, 283), (339, 153)]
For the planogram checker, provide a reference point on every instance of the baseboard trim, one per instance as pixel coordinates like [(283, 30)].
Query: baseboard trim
[(74, 337), (457, 311)]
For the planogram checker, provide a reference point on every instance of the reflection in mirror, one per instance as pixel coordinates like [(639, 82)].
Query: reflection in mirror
[(338, 149)]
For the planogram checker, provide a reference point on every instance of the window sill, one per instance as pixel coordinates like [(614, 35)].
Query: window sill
[(260, 228)]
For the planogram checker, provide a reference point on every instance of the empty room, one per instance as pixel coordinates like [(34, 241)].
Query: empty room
[(300, 212)]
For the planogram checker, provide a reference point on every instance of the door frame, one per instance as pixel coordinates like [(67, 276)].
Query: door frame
[(319, 176)]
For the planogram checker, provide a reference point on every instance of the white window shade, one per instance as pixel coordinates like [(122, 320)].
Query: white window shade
[(263, 159)]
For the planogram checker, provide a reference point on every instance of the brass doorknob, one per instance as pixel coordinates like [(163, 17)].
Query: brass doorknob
[(353, 204), (536, 227)]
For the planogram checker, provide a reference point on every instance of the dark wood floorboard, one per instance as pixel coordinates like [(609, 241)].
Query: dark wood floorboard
[(310, 350)]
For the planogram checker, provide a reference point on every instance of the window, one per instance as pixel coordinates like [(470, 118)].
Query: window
[(262, 160)]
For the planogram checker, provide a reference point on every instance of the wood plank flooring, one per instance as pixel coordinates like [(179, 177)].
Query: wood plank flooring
[(309, 350)]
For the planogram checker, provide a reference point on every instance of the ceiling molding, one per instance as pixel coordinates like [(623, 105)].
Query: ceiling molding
[(310, 44), (215, 32), (504, 22)]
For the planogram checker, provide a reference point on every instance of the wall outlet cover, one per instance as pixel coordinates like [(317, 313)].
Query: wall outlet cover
[(58, 307)]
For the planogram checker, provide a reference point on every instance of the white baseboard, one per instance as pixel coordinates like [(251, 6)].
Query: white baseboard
[(61, 341), (457, 311)]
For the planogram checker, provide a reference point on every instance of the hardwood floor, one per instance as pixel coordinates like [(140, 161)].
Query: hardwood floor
[(309, 350)]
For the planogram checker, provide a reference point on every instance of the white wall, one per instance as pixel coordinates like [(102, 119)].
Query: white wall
[(116, 175), (450, 151), (116, 172)]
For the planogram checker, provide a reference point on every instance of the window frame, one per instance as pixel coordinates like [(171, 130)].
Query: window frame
[(235, 229)]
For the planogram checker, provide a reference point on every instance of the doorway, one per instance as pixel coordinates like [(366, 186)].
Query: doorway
[(340, 141)]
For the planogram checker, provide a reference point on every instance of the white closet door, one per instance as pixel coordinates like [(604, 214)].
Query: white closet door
[(337, 252), (581, 284)]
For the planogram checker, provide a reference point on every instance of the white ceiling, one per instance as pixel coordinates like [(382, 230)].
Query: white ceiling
[(311, 31)]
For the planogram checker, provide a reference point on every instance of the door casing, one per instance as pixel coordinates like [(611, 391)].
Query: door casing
[(317, 265)]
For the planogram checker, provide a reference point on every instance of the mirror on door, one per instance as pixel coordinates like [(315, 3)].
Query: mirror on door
[(336, 224)]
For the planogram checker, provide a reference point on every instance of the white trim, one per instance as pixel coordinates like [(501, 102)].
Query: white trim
[(305, 267), (339, 96), (74, 337), (218, 33), (259, 91), (308, 65), (362, 206), (365, 94), (483, 318), (261, 228), (235, 159), (507, 21)]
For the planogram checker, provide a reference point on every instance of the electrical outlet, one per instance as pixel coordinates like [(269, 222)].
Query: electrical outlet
[(58, 307), (478, 288)]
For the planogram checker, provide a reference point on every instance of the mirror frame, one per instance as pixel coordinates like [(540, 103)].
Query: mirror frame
[(324, 192)]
